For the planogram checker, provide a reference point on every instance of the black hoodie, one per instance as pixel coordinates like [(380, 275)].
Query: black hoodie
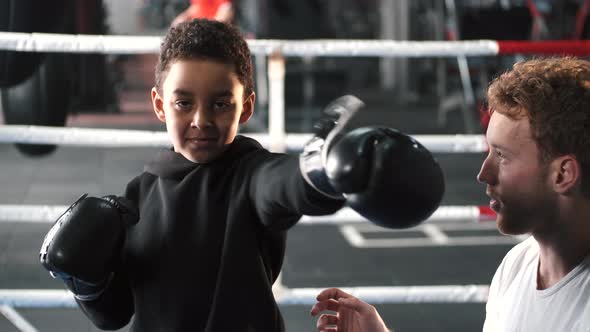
[(209, 244)]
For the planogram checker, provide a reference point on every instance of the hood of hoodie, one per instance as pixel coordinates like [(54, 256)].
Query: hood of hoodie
[(170, 164)]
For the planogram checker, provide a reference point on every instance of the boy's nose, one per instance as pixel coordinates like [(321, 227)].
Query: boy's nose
[(201, 120)]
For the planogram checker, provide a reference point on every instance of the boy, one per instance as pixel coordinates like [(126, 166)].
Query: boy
[(199, 238)]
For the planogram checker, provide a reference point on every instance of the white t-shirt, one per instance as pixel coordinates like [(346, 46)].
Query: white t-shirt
[(515, 304)]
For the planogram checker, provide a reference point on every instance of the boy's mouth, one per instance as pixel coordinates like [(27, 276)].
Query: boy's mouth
[(201, 142)]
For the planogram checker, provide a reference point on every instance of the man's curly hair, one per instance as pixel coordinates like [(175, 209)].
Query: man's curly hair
[(554, 93), (210, 40)]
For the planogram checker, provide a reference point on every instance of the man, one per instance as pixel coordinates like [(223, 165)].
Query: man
[(537, 177)]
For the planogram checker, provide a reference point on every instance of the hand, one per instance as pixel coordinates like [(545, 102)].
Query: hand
[(352, 314)]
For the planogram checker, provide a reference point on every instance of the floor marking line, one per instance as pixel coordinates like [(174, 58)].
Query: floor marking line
[(16, 319), (353, 236), (435, 234), (475, 241)]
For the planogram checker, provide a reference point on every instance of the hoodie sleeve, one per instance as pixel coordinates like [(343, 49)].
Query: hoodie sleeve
[(114, 308), (281, 195)]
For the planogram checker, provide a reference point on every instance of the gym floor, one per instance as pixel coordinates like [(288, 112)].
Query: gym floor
[(317, 255)]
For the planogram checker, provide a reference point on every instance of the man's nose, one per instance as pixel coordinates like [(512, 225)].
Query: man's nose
[(487, 173)]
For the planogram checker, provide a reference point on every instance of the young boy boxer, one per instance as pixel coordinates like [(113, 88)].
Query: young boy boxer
[(199, 237)]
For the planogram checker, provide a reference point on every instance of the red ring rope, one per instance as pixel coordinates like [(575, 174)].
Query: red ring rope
[(555, 47)]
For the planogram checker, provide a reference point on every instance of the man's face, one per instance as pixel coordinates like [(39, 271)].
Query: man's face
[(517, 182), (202, 104)]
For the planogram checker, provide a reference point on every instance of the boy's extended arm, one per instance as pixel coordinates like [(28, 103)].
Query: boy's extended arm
[(281, 194), (381, 173)]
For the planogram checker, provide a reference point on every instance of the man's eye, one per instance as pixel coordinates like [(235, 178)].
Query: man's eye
[(499, 154)]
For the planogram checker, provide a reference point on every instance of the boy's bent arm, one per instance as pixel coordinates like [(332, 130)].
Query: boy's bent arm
[(114, 308), (281, 195)]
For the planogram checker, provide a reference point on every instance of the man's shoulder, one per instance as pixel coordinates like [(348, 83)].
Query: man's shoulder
[(521, 255), (525, 247)]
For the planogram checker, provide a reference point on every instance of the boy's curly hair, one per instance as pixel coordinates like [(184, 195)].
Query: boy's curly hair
[(554, 93), (206, 39)]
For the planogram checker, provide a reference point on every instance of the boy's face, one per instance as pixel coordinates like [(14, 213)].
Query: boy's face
[(202, 104)]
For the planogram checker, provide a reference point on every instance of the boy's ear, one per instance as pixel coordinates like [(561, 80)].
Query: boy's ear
[(566, 173), (158, 105), (247, 108)]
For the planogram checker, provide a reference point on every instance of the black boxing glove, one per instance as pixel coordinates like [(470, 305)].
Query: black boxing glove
[(386, 176), (83, 246)]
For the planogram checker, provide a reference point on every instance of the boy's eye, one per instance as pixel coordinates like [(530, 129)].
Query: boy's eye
[(221, 105), (183, 104)]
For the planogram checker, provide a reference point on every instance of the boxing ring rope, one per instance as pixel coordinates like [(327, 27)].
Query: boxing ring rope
[(112, 44), (50, 213), (52, 298), (139, 138), (45, 42), (277, 139)]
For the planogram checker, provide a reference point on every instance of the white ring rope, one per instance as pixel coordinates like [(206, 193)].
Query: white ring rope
[(83, 136), (447, 213), (37, 298), (53, 298), (31, 213), (395, 294), (113, 44), (121, 44), (49, 42), (137, 138), (50, 213)]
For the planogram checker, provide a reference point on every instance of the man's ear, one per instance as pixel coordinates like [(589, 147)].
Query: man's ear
[(158, 105), (566, 173), (247, 108)]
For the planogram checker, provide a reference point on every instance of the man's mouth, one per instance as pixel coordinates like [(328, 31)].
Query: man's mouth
[(495, 205), (494, 202)]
